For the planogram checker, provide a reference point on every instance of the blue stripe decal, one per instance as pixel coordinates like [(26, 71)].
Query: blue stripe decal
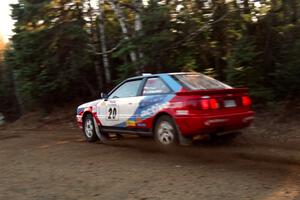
[(171, 82), (148, 107)]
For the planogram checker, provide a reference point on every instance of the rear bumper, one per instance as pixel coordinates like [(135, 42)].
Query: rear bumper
[(204, 124)]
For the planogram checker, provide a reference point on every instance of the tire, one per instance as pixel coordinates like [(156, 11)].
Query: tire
[(89, 129), (165, 131)]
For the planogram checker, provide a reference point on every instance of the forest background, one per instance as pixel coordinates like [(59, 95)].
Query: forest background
[(66, 51)]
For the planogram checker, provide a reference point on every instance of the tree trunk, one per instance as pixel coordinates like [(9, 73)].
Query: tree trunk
[(138, 27), (295, 10), (121, 18), (218, 35), (17, 92), (101, 25), (99, 74), (246, 7), (95, 40)]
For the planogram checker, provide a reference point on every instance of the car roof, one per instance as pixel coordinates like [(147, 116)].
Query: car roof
[(147, 75)]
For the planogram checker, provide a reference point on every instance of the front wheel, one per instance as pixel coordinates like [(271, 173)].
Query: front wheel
[(165, 131), (89, 129)]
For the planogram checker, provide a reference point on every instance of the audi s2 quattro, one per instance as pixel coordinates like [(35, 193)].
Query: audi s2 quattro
[(171, 107)]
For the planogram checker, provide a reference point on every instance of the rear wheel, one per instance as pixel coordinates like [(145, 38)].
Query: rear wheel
[(89, 129), (165, 131)]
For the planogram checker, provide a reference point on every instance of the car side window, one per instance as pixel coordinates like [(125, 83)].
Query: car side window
[(155, 86), (128, 89)]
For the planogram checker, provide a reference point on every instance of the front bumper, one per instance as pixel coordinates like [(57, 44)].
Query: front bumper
[(204, 124), (79, 121)]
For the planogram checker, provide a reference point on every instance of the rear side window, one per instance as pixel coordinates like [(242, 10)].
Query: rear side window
[(127, 89), (199, 81), (155, 86)]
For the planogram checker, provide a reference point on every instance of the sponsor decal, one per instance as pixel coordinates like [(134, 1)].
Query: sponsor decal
[(175, 104), (151, 101), (139, 120), (182, 112), (79, 110), (211, 121), (142, 124), (153, 109), (130, 123)]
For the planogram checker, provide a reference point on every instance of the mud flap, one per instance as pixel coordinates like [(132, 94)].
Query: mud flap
[(184, 141), (100, 135)]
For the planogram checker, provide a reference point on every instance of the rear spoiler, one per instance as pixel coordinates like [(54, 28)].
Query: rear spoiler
[(213, 91)]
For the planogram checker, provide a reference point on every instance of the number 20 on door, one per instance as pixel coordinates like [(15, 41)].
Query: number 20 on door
[(112, 112)]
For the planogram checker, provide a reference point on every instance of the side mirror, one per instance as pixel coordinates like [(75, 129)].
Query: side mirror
[(104, 95)]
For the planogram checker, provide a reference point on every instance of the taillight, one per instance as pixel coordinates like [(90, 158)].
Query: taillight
[(213, 104), (204, 104), (209, 104), (246, 101)]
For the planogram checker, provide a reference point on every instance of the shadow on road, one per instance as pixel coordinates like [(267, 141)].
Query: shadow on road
[(214, 151)]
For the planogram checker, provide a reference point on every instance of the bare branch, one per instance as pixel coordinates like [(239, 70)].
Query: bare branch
[(108, 51), (205, 27), (198, 31), (131, 7)]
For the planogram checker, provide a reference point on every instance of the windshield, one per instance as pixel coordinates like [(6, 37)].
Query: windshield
[(197, 81)]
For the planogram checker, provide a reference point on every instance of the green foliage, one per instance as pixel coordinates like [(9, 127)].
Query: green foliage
[(288, 72), (50, 57), (55, 50), (8, 104), (241, 64)]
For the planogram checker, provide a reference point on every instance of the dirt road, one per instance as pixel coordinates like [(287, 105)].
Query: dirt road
[(52, 164)]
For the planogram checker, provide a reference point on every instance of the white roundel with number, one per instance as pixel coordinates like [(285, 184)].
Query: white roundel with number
[(116, 112)]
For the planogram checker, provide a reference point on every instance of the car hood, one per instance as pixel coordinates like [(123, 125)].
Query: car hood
[(89, 104)]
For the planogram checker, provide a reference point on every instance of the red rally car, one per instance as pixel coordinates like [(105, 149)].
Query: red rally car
[(172, 107)]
